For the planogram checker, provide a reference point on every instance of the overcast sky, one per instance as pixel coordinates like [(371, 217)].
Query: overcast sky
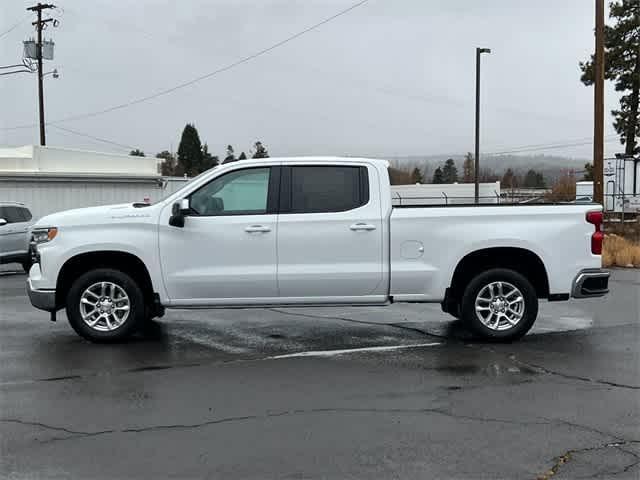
[(389, 78)]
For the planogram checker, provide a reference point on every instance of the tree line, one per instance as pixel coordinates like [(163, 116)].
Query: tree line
[(193, 157), (448, 173)]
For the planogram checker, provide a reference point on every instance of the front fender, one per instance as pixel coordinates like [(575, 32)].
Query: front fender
[(138, 240)]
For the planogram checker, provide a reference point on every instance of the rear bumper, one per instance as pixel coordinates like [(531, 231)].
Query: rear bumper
[(42, 299), (590, 283)]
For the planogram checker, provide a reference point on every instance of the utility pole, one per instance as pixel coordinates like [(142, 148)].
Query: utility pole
[(479, 51), (598, 106), (39, 24)]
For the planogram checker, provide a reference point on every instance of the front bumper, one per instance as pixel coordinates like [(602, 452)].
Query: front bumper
[(42, 299), (593, 282)]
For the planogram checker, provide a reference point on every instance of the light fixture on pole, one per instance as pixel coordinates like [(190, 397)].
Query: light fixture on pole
[(479, 51)]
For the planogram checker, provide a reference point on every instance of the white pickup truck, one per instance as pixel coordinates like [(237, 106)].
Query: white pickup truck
[(310, 231)]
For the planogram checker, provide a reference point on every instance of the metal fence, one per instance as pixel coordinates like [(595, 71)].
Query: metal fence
[(444, 200)]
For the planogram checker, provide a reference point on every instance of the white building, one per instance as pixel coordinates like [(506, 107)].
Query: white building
[(622, 184), (51, 179)]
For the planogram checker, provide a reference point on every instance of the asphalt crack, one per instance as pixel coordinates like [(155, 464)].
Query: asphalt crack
[(73, 434), (548, 371), (569, 455)]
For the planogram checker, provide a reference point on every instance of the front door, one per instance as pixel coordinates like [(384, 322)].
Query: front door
[(330, 231), (227, 248)]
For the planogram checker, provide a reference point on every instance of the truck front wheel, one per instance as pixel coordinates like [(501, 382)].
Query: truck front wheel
[(105, 305), (500, 305)]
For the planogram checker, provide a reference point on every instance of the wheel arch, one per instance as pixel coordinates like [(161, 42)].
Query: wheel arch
[(125, 262), (521, 260)]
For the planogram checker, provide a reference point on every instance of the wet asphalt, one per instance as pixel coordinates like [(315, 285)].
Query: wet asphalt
[(245, 394)]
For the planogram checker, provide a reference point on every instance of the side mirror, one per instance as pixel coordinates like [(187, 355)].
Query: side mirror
[(3, 222), (178, 211)]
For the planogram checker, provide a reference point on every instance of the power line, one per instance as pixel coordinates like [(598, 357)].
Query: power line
[(551, 144), (13, 27), (548, 147), (205, 76), (86, 135)]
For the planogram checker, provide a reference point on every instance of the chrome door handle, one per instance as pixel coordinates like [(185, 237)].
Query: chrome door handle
[(362, 226), (257, 229)]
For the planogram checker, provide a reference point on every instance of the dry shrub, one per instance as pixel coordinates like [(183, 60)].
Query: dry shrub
[(620, 252), (564, 190)]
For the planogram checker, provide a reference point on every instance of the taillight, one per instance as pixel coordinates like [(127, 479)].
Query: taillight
[(595, 218)]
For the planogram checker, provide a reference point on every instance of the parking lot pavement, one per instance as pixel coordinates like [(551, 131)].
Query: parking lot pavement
[(271, 393)]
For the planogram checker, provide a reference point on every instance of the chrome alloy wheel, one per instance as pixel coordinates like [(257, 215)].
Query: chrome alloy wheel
[(104, 306), (500, 306)]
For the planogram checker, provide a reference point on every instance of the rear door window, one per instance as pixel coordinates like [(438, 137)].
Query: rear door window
[(26, 214), (322, 189)]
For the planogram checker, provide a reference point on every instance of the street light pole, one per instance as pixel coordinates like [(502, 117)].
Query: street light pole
[(479, 51)]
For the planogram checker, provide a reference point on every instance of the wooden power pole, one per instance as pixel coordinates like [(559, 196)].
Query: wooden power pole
[(598, 107), (39, 24)]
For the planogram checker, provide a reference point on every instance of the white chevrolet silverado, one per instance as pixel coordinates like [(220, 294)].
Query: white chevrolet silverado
[(311, 231)]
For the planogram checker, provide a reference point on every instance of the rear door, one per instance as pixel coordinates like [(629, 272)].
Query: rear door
[(329, 233)]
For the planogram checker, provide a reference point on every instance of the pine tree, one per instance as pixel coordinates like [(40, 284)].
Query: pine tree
[(450, 172), (261, 150), (531, 179), (230, 155), (208, 160), (622, 66), (416, 176), (468, 169), (588, 172), (190, 151), (438, 176)]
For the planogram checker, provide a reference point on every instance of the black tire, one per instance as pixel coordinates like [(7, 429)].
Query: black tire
[(136, 313), (478, 283)]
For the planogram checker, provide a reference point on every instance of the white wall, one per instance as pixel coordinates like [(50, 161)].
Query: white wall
[(33, 158), (44, 197)]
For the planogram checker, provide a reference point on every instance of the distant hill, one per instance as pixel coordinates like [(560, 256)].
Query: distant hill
[(551, 166)]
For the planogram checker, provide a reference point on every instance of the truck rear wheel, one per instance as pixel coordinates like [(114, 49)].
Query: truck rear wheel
[(500, 305), (105, 305)]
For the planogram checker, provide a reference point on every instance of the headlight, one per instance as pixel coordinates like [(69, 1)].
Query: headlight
[(43, 235)]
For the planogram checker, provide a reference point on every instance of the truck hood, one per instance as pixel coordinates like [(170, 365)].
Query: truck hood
[(123, 212)]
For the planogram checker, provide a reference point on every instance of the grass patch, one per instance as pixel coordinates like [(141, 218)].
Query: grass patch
[(620, 252)]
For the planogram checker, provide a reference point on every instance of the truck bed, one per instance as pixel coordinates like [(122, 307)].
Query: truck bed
[(443, 235)]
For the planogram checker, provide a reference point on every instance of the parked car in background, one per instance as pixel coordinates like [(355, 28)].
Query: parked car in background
[(311, 231), (15, 220)]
